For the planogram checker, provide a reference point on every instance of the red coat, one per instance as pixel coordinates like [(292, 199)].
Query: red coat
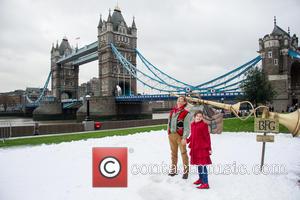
[(199, 143)]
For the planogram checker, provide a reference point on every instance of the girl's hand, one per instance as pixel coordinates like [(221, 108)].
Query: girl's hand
[(210, 152), (183, 141)]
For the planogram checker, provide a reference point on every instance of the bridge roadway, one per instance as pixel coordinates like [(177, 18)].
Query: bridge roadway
[(69, 103), (81, 56), (162, 97)]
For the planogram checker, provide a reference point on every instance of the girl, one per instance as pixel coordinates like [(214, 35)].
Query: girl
[(199, 143)]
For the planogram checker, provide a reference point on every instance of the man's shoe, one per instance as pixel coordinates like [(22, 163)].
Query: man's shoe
[(172, 174), (185, 176)]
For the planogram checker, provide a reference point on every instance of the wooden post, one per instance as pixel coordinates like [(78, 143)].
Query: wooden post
[(265, 126)]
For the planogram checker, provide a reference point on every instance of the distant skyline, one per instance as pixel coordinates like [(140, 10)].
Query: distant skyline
[(192, 40)]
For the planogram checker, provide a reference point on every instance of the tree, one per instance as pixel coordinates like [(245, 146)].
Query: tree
[(257, 87)]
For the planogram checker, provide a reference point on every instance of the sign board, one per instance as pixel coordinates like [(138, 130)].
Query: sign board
[(265, 138), (266, 125)]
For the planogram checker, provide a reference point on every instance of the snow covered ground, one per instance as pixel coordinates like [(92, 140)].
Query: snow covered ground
[(64, 171)]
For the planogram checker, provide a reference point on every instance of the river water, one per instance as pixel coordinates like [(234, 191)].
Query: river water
[(26, 121), (23, 121)]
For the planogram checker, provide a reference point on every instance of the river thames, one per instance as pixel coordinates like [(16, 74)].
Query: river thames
[(27, 121)]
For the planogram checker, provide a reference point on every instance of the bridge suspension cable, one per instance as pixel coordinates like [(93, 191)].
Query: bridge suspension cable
[(144, 78), (239, 70), (222, 82), (219, 84), (162, 82), (294, 54), (42, 93), (160, 74)]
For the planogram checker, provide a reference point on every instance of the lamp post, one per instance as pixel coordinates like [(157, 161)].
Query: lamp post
[(87, 97)]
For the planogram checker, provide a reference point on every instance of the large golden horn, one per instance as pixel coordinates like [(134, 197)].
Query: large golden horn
[(291, 121), (233, 108)]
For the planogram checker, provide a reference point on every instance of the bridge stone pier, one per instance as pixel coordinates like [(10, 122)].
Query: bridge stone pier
[(48, 110), (108, 108)]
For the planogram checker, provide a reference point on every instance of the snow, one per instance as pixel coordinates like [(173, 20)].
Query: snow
[(64, 171)]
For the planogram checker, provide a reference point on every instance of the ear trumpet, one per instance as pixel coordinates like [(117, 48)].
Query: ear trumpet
[(291, 121)]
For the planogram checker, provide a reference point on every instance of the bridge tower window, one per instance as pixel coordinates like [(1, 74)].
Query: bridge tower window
[(270, 54)]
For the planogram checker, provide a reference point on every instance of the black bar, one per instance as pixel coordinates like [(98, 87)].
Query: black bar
[(87, 110), (263, 154)]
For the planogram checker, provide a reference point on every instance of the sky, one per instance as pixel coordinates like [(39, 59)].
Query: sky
[(191, 40)]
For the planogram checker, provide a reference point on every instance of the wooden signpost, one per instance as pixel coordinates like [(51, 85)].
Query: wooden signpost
[(265, 126)]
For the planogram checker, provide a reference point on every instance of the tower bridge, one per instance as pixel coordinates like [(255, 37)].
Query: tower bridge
[(117, 54)]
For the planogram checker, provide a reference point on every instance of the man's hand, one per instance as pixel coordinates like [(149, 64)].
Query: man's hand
[(183, 141)]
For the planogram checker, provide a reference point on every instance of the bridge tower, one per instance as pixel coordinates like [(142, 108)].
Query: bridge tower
[(64, 82), (113, 77), (282, 71), (115, 80)]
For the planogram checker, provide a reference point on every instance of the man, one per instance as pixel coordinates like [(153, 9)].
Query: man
[(178, 131)]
